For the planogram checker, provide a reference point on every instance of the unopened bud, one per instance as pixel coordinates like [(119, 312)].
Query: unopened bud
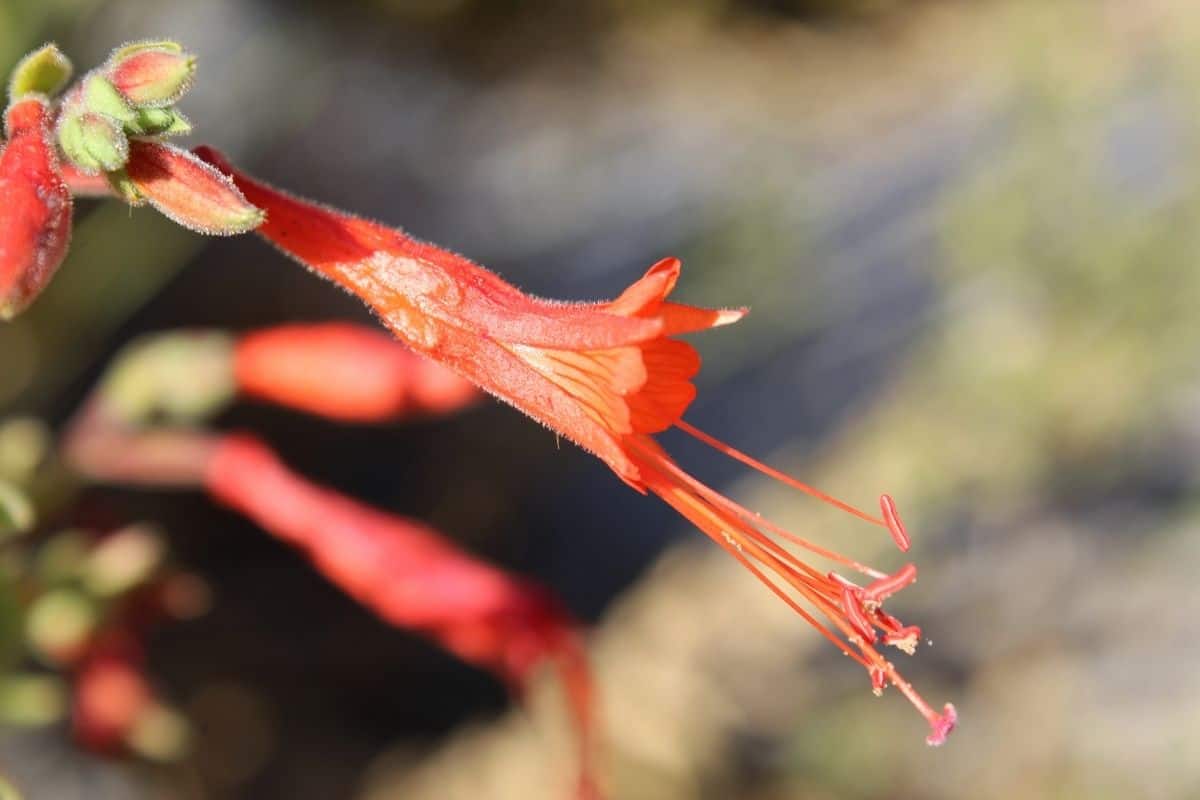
[(59, 625), (29, 700), (62, 558), (189, 191), (44, 71), (124, 560), (16, 512), (159, 733), (152, 76), (185, 375), (93, 142)]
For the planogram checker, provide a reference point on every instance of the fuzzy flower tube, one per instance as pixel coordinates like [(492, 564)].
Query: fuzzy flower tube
[(607, 376)]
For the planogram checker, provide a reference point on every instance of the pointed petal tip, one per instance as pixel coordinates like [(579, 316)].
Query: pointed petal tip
[(728, 316)]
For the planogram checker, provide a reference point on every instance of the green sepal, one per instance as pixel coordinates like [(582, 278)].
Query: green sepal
[(126, 50), (158, 122), (101, 96), (125, 188)]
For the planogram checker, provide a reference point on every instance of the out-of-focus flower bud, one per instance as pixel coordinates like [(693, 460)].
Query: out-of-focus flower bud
[(28, 700), (24, 444), (60, 624), (16, 512), (182, 375), (159, 733), (44, 71), (93, 142), (110, 694), (62, 558), (154, 74), (124, 560)]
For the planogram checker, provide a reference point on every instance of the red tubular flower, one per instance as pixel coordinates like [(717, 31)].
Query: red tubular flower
[(606, 376), (347, 372), (35, 224), (409, 576)]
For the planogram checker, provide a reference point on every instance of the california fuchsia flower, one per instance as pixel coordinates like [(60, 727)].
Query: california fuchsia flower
[(35, 223), (606, 376)]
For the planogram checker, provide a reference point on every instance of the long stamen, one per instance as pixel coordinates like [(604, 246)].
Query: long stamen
[(852, 610), (895, 525), (754, 463), (721, 501), (699, 512)]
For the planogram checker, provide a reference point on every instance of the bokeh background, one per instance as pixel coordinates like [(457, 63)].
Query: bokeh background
[(968, 234)]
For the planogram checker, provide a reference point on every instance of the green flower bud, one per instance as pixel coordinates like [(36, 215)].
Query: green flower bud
[(60, 623), (185, 376), (123, 560), (16, 512), (152, 76), (93, 142), (158, 122), (44, 71), (61, 559), (29, 700)]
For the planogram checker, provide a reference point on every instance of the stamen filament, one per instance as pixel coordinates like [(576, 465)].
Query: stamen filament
[(721, 501), (749, 461)]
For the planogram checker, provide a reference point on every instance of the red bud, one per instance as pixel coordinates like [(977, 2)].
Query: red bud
[(188, 191), (35, 225), (153, 76)]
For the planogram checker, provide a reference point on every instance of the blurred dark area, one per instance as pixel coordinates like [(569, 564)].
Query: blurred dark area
[(966, 231)]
